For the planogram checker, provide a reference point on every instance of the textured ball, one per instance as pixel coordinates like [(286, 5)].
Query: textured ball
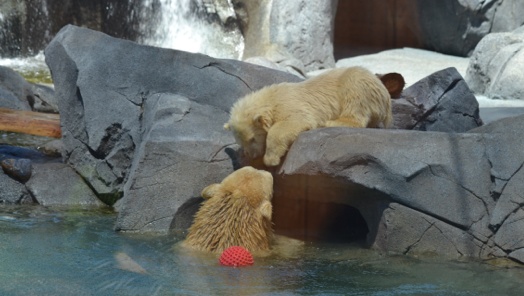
[(236, 256)]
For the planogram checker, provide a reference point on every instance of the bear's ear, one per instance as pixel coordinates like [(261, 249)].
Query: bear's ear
[(213, 190), (263, 121), (266, 209), (394, 83), (227, 126)]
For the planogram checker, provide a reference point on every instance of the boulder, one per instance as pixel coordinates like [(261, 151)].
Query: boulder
[(71, 192), (495, 68), (146, 123), (15, 92), (31, 177), (12, 191), (452, 194), (19, 169), (18, 94), (455, 27), (441, 102)]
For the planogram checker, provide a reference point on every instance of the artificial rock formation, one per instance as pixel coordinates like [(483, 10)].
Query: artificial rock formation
[(451, 194), (495, 68), (145, 124), (269, 25), (455, 27)]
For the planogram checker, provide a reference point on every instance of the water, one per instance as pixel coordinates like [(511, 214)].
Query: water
[(181, 27), (48, 252), (177, 25)]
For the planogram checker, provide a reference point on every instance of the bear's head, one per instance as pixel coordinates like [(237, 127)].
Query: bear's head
[(236, 212), (250, 122)]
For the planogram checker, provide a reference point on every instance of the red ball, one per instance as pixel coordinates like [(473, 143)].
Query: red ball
[(236, 256)]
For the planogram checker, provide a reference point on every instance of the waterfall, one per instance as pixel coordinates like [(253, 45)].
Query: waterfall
[(205, 26), (186, 25)]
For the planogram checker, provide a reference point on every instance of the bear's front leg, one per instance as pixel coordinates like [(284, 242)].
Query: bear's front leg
[(279, 138)]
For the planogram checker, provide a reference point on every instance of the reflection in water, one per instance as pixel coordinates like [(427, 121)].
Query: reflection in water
[(46, 252)]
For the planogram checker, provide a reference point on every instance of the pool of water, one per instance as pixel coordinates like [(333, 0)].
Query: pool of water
[(76, 252)]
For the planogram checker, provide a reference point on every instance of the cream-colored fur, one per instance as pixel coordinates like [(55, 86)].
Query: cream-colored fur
[(268, 121), (236, 212)]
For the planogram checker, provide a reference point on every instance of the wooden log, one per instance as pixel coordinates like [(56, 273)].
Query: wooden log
[(29, 122)]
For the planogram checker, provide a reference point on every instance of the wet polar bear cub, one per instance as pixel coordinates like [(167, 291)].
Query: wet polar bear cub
[(268, 121)]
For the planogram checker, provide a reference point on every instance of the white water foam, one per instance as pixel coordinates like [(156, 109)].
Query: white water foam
[(179, 28), (28, 66)]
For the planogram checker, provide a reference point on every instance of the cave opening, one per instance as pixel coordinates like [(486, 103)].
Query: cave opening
[(324, 209)]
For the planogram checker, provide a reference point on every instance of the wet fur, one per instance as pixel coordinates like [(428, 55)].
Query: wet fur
[(237, 212)]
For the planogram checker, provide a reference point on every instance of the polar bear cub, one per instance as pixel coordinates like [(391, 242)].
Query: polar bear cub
[(266, 122), (236, 212)]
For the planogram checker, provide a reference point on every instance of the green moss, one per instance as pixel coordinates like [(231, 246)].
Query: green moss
[(40, 76)]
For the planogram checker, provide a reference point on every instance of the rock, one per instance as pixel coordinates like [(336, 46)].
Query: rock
[(57, 184), (13, 192), (45, 100), (455, 27), (301, 29), (495, 66), (440, 102), (183, 150), (146, 123), (453, 194), (405, 231), (506, 136), (18, 169), (53, 148), (506, 159), (15, 92)]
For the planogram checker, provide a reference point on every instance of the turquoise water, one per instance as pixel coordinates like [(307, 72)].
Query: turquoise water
[(48, 252)]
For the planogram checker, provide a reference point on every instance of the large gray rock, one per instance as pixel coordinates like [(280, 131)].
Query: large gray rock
[(455, 26), (183, 150), (300, 29), (15, 92), (440, 102), (12, 191), (453, 194), (495, 68), (146, 123), (18, 94), (28, 176), (57, 184)]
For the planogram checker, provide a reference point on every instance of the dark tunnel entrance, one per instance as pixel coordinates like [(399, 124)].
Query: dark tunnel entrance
[(324, 209)]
